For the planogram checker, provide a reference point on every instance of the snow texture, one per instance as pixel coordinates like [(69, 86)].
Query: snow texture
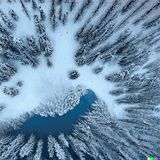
[(52, 51)]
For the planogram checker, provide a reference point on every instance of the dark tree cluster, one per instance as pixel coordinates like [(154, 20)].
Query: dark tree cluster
[(11, 91), (73, 74)]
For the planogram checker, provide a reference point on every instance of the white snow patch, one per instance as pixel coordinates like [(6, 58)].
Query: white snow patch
[(38, 85), (44, 83)]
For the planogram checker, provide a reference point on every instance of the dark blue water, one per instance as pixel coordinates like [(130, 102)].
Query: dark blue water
[(43, 126)]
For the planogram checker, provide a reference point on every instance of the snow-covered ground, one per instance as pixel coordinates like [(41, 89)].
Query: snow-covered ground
[(51, 52), (43, 83)]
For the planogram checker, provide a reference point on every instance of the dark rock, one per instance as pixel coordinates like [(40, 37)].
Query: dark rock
[(19, 83), (2, 107)]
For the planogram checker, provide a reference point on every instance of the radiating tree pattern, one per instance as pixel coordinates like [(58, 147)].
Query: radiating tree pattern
[(51, 51)]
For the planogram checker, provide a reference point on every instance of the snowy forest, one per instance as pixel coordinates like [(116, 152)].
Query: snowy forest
[(59, 58)]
